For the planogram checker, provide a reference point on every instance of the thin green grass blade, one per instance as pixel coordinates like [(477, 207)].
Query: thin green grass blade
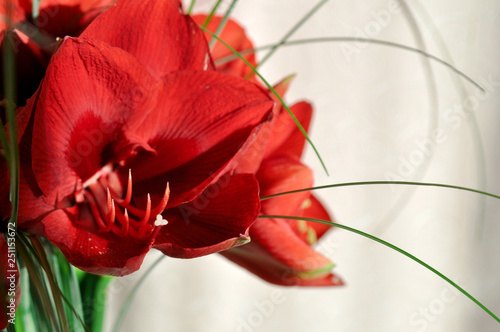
[(212, 12), (191, 6), (353, 40), (365, 183), (222, 24), (128, 301), (401, 251), (276, 94), (297, 25)]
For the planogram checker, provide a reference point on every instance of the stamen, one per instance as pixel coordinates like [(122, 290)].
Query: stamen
[(163, 203), (124, 221)]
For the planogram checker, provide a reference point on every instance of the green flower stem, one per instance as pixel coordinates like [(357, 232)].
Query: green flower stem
[(275, 93), (364, 183), (401, 251), (352, 39), (93, 291)]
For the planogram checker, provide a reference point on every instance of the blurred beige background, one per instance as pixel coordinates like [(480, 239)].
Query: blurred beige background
[(381, 114)]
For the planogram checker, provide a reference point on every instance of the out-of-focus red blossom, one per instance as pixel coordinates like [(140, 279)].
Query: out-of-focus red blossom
[(132, 127), (281, 250), (34, 40), (10, 292)]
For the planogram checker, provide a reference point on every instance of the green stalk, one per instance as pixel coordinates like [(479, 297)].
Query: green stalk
[(393, 247), (93, 291)]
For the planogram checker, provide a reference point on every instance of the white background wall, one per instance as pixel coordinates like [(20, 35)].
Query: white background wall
[(374, 109)]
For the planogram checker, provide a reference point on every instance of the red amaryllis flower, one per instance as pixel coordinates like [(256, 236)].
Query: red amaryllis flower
[(10, 292), (126, 135)]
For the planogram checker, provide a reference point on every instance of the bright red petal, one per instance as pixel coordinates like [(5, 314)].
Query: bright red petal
[(216, 220), (157, 33)]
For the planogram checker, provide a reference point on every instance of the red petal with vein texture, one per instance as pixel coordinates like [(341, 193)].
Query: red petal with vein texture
[(193, 148), (89, 92), (157, 33), (216, 220)]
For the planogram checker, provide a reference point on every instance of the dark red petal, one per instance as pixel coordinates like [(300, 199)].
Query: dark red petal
[(157, 33), (233, 35), (216, 220), (200, 124), (90, 250), (10, 293), (68, 17), (88, 94), (278, 256), (282, 174)]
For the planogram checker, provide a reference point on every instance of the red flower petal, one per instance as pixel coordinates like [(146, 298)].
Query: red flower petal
[(278, 256), (282, 174), (92, 251), (193, 148), (89, 91), (287, 138), (217, 220), (156, 33)]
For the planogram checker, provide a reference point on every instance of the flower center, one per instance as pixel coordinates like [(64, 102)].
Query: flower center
[(114, 213)]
